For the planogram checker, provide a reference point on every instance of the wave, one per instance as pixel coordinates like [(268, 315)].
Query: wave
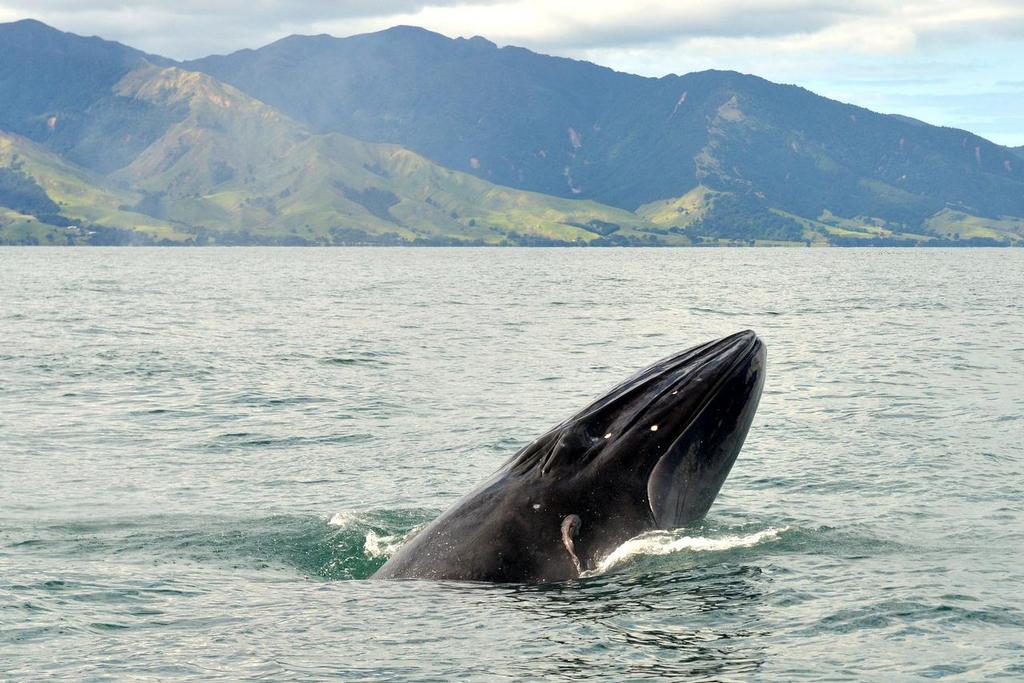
[(656, 543), (349, 545), (353, 544), (380, 544), (376, 543)]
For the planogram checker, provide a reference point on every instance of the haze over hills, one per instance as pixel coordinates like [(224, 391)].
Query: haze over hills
[(407, 136), (57, 88), (41, 193), (216, 165), (236, 166)]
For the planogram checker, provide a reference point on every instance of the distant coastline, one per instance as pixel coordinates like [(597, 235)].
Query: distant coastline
[(851, 243)]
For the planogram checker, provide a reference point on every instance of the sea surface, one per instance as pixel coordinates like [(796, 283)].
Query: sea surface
[(205, 453)]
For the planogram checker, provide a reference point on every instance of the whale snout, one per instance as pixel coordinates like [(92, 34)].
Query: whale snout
[(711, 424)]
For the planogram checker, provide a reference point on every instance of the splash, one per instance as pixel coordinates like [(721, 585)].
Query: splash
[(377, 542), (345, 518), (382, 545), (666, 542)]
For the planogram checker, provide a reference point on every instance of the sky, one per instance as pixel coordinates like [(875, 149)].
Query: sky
[(948, 62)]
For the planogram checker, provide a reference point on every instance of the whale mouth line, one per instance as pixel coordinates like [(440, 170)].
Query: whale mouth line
[(713, 350), (753, 344), (699, 456), (742, 359), (658, 405)]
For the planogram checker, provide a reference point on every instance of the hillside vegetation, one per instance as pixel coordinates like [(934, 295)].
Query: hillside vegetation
[(233, 170), (46, 200), (574, 129), (408, 137)]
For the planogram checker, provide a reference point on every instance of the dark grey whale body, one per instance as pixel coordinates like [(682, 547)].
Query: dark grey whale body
[(650, 454)]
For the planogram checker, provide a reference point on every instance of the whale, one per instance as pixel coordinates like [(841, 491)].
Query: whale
[(652, 453)]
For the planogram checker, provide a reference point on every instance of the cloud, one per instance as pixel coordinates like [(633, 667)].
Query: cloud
[(195, 28), (862, 26), (190, 28), (585, 24)]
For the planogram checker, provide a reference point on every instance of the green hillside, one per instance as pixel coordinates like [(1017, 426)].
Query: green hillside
[(959, 225), (56, 89), (46, 200), (574, 129), (232, 170), (238, 170), (707, 215)]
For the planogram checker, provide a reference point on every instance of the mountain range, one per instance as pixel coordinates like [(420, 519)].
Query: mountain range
[(408, 137)]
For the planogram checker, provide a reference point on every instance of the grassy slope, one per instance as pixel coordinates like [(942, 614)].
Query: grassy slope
[(83, 196), (237, 165), (680, 211), (17, 228), (949, 223), (731, 127), (683, 211)]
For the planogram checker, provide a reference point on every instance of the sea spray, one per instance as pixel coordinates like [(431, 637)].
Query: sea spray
[(377, 542), (667, 542)]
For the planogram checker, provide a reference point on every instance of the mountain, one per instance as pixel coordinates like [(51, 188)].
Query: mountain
[(407, 137), (56, 90), (574, 129), (219, 166), (237, 166)]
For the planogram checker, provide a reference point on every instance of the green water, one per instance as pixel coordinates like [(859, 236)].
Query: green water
[(204, 453)]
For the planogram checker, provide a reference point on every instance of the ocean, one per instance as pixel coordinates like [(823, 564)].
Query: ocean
[(205, 453)]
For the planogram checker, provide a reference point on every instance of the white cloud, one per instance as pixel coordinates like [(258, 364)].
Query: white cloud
[(867, 26), (196, 27)]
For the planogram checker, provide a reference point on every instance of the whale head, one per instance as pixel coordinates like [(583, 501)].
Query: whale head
[(652, 453)]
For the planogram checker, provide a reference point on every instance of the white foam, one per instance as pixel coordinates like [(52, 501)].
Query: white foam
[(382, 545), (343, 518), (385, 545), (376, 544), (666, 542)]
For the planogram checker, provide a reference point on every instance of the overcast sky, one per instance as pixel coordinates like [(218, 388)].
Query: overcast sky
[(949, 62)]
